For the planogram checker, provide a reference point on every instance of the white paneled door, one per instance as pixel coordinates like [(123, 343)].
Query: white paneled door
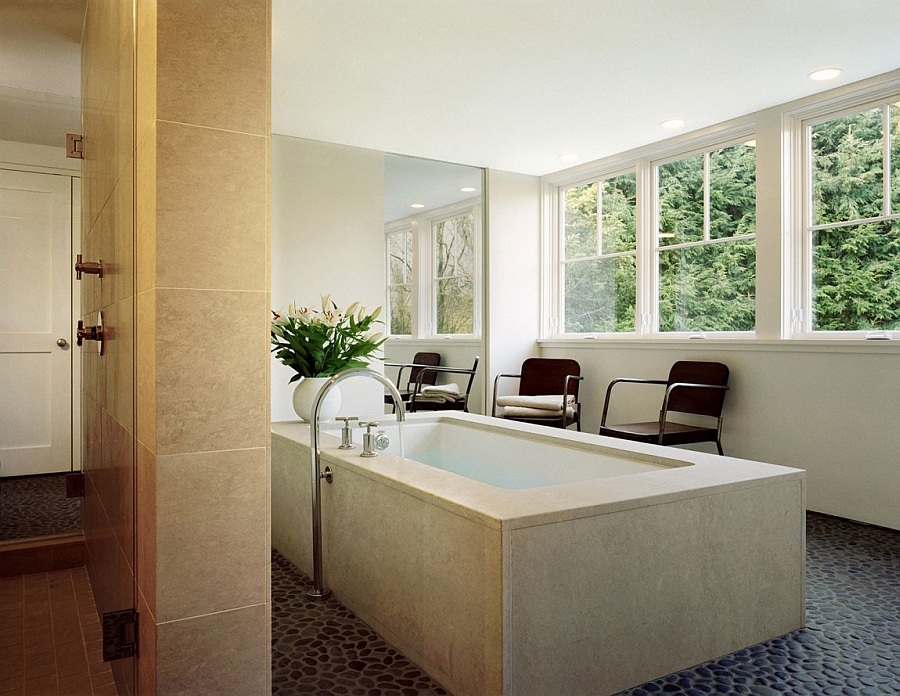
[(35, 323)]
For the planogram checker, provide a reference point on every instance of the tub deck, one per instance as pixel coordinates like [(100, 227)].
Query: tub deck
[(585, 587)]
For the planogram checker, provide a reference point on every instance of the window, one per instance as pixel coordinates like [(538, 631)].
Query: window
[(852, 221), (667, 247), (599, 256), (454, 276), (706, 246), (400, 270), (433, 278)]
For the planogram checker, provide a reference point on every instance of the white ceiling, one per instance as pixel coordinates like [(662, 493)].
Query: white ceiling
[(432, 184), (508, 84), (512, 84)]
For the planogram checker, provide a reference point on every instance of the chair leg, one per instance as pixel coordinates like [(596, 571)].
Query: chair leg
[(719, 446)]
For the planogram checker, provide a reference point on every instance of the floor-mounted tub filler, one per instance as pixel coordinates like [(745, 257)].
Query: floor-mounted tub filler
[(512, 559)]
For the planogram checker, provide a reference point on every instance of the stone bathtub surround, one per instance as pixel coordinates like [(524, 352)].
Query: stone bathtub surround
[(587, 587)]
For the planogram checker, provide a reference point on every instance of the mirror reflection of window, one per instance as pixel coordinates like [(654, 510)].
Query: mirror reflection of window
[(433, 243)]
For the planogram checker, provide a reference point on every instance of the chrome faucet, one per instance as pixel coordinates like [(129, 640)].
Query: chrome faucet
[(318, 591)]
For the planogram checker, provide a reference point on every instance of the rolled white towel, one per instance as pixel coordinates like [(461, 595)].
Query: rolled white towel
[(438, 397), (443, 389), (521, 412), (549, 402)]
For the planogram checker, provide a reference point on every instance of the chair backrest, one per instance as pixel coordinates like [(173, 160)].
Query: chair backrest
[(542, 376), (433, 359), (704, 402)]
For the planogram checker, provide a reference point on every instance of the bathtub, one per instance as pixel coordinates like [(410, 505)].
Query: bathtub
[(576, 565)]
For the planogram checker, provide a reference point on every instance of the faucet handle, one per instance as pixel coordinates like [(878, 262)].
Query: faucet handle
[(346, 432), (368, 426)]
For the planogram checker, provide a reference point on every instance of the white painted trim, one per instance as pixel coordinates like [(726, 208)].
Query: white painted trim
[(44, 159)]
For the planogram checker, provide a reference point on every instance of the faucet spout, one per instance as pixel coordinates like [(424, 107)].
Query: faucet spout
[(318, 591)]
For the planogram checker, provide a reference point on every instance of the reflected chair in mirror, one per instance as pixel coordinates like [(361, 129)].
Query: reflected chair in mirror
[(548, 394), (449, 396), (692, 387), (407, 388)]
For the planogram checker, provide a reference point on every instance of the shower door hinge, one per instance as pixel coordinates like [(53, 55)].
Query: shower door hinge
[(119, 634), (74, 145), (75, 485)]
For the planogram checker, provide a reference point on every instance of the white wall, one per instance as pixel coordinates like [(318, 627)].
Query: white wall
[(512, 275), (831, 411), (327, 237)]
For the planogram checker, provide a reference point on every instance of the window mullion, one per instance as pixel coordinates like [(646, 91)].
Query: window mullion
[(886, 158), (706, 196)]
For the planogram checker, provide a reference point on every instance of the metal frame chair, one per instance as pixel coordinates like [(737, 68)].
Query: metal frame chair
[(461, 404), (692, 387), (547, 377)]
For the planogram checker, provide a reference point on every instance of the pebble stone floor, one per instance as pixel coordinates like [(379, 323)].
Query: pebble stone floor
[(850, 646), (34, 506)]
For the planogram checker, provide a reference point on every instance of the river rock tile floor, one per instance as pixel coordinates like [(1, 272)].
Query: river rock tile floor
[(850, 646), (36, 506)]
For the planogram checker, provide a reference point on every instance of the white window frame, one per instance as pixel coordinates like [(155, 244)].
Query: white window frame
[(645, 163), (800, 123), (560, 255), (424, 294)]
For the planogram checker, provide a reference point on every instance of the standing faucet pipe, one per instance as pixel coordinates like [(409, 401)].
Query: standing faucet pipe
[(318, 590)]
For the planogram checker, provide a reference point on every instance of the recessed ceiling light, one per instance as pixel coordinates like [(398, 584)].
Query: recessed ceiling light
[(417, 205), (568, 157), (825, 74), (672, 123), (468, 189)]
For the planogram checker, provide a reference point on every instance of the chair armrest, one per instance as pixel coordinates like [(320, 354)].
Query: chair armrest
[(617, 380), (433, 368), (402, 367), (565, 400), (496, 381), (663, 414)]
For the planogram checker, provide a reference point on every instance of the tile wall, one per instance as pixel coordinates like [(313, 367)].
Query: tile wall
[(176, 412)]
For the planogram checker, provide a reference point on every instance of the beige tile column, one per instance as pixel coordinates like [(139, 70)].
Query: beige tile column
[(202, 130)]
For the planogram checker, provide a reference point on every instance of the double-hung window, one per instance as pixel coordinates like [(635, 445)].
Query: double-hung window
[(667, 246), (599, 255), (453, 240), (851, 221), (706, 241), (400, 281), (433, 279)]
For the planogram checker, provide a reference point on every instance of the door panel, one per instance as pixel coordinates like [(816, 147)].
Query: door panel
[(35, 311)]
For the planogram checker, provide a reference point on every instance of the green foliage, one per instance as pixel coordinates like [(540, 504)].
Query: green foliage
[(600, 292), (712, 286), (856, 268), (322, 343)]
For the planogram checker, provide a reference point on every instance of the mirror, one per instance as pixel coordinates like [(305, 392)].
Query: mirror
[(334, 203), (434, 232)]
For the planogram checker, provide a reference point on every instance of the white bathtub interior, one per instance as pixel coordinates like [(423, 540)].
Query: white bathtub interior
[(513, 461)]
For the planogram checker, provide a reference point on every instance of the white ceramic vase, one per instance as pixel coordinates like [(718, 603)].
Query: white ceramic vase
[(305, 397)]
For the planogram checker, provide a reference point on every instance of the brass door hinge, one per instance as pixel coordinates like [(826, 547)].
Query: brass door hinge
[(119, 634), (74, 145)]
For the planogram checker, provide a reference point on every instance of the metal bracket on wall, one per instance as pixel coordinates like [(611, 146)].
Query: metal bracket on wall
[(75, 485), (74, 145), (119, 634)]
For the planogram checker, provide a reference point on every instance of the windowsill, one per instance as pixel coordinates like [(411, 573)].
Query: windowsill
[(822, 345), (437, 341)]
